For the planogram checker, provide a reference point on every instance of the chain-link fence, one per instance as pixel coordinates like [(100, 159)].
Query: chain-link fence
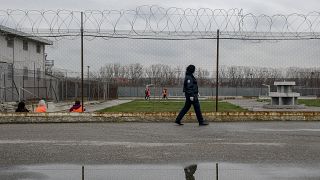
[(25, 84), (32, 85), (125, 51)]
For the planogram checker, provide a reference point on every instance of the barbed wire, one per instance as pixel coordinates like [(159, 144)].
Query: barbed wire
[(154, 22)]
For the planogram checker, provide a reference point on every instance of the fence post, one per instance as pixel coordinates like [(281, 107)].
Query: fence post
[(12, 68), (217, 72), (38, 81), (23, 78), (5, 87), (98, 90), (66, 88), (82, 173), (217, 172), (88, 83), (81, 30), (34, 79)]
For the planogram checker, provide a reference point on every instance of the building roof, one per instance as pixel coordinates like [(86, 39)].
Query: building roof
[(284, 83), (11, 31)]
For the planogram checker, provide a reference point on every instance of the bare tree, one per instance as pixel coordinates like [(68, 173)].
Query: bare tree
[(135, 72), (203, 75), (154, 72)]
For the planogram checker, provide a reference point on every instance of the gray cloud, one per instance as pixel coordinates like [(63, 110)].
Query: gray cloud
[(254, 6)]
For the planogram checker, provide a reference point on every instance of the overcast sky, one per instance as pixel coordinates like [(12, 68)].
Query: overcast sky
[(250, 6), (202, 53)]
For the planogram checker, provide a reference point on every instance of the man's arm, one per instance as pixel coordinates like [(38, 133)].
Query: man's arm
[(189, 86)]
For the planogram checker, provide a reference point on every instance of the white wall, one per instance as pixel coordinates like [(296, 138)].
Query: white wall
[(5, 52), (22, 58)]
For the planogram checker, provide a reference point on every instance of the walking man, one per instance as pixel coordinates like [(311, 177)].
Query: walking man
[(190, 88)]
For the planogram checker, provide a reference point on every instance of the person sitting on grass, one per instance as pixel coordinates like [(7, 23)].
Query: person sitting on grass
[(76, 107), (22, 107), (41, 107)]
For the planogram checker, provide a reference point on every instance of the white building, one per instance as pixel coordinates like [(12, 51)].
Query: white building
[(22, 64), (21, 49)]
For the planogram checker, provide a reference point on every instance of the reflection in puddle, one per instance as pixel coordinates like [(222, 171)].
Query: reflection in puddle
[(189, 171), (200, 171)]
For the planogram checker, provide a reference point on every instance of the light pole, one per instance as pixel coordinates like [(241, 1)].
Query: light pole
[(251, 76)]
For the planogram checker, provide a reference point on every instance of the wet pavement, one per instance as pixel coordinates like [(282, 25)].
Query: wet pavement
[(244, 150), (196, 171)]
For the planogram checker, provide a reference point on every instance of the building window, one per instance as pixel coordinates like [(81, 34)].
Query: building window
[(38, 48), (9, 42), (25, 45)]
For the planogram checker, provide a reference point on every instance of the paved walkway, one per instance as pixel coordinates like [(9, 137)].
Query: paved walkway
[(103, 105), (295, 143), (254, 105)]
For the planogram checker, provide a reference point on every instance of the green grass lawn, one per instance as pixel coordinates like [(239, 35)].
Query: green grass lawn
[(168, 106), (309, 102)]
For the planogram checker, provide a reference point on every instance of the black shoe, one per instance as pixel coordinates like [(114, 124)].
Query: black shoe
[(179, 123), (204, 123)]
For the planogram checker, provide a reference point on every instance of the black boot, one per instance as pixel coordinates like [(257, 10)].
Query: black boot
[(204, 123), (178, 122)]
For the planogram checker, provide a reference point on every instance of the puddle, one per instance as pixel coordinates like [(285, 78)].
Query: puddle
[(200, 171)]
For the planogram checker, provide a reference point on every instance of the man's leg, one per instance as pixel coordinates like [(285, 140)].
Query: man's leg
[(183, 111), (196, 106)]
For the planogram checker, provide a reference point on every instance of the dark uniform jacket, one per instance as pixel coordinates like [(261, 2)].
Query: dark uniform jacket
[(190, 86)]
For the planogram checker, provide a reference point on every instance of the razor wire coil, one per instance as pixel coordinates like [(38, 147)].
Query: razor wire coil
[(154, 22)]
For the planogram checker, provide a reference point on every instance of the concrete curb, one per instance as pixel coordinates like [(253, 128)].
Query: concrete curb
[(65, 117)]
